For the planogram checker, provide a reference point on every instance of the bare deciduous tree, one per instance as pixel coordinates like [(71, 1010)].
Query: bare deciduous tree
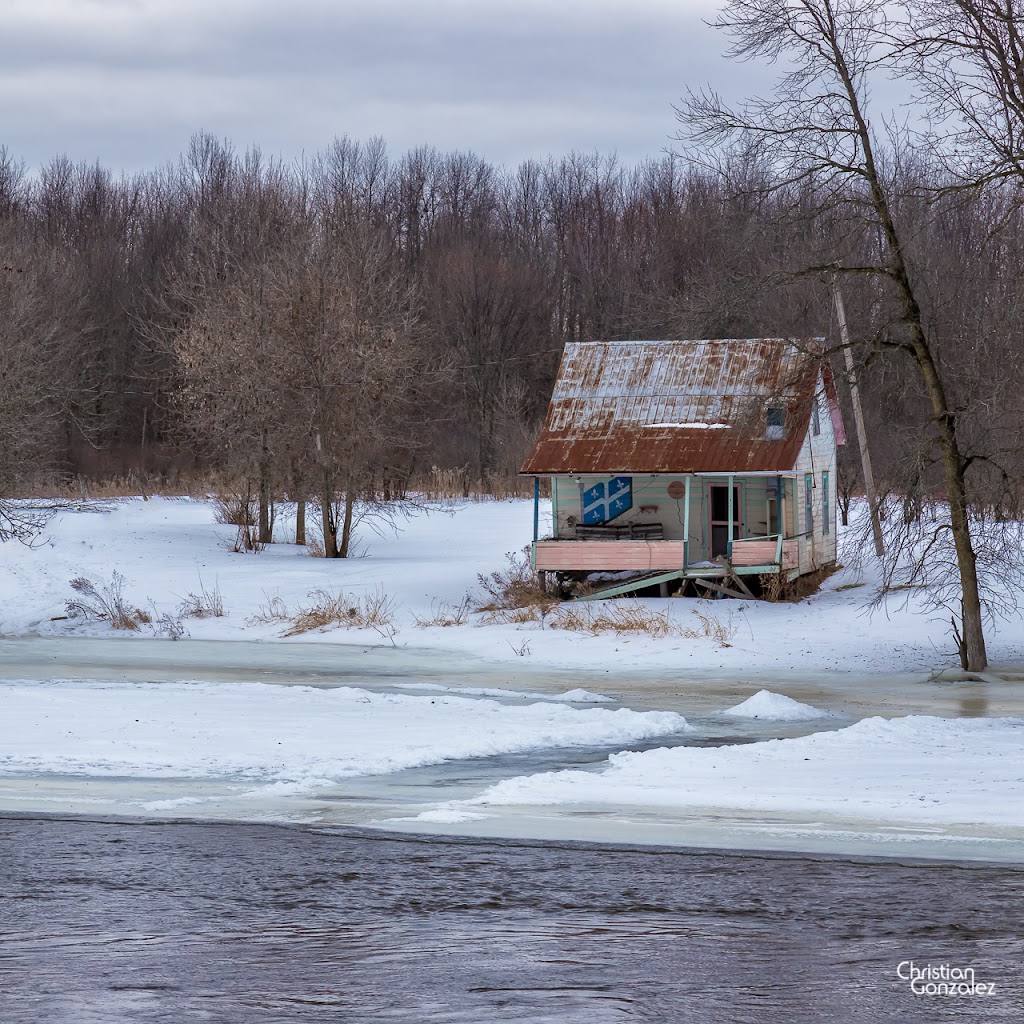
[(968, 56), (815, 131)]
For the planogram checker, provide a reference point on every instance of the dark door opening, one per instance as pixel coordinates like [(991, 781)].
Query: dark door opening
[(718, 500)]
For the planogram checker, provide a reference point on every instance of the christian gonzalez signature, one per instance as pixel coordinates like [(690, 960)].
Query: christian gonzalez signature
[(943, 980)]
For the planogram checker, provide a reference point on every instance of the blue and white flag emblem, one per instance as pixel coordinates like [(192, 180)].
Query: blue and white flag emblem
[(604, 501)]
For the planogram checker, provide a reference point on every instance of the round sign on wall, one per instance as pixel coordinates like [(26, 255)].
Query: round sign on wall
[(676, 489)]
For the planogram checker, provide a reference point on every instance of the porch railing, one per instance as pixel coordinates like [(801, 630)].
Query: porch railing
[(770, 549)]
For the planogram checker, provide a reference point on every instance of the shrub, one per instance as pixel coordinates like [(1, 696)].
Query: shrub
[(515, 586), (633, 617), (207, 604), (513, 616), (166, 625), (713, 627), (234, 510), (613, 617), (373, 611), (274, 610), (444, 613), (105, 601)]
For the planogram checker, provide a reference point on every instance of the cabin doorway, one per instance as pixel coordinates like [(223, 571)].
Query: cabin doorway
[(718, 502)]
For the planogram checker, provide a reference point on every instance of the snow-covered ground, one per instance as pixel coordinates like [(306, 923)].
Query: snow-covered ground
[(782, 715), (169, 548)]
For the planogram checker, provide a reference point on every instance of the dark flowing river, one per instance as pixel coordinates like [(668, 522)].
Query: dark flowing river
[(110, 922)]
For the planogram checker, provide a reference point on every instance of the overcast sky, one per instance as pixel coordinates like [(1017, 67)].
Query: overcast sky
[(126, 82)]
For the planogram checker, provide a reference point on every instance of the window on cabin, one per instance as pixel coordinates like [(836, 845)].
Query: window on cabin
[(815, 419), (826, 510), (775, 423), (809, 503)]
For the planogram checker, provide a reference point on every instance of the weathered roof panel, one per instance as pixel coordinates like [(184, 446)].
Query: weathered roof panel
[(676, 407)]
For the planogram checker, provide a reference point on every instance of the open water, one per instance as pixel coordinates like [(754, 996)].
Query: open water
[(109, 922)]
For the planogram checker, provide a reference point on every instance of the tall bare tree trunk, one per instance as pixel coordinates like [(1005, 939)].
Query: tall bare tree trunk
[(265, 527), (265, 531), (327, 517), (300, 521), (346, 530), (953, 462)]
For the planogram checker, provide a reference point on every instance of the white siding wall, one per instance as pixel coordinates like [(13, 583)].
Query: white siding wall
[(817, 456)]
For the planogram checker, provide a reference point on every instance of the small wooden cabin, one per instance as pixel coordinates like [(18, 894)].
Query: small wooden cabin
[(703, 460)]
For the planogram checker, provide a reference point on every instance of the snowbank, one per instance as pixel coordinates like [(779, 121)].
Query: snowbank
[(775, 707), (280, 734), (914, 769)]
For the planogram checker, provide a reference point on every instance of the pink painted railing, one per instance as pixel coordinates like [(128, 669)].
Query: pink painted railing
[(765, 551), (564, 555)]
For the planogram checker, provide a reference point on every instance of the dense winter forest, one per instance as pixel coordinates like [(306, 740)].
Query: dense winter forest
[(235, 316)]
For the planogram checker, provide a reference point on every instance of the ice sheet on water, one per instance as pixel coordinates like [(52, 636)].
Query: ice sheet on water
[(916, 769)]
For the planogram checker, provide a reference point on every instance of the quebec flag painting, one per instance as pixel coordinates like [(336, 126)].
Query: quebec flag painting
[(604, 501)]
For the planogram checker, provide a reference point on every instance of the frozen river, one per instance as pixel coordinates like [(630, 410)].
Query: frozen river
[(391, 800), (134, 898)]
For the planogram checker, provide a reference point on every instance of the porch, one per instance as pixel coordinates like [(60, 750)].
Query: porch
[(703, 524), (748, 556)]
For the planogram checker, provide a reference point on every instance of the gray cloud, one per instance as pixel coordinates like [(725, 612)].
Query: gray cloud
[(128, 82)]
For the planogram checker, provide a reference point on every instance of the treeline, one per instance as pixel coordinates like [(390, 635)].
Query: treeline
[(344, 325)]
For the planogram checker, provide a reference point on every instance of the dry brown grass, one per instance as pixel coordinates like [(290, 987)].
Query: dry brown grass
[(444, 613), (207, 604), (612, 617), (273, 610), (515, 586), (631, 617), (327, 610), (810, 583), (460, 485), (712, 627), (105, 601), (512, 616), (773, 586), (457, 484), (129, 485)]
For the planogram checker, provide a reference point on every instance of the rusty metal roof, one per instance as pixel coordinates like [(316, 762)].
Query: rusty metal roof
[(677, 407)]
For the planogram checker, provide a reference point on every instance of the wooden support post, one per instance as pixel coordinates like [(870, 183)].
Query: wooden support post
[(686, 521), (536, 508), (858, 418), (732, 514), (720, 589), (735, 577)]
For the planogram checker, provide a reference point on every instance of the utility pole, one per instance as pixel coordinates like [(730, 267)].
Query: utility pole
[(858, 417)]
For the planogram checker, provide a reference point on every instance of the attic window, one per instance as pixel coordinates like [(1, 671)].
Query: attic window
[(815, 419), (775, 425)]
